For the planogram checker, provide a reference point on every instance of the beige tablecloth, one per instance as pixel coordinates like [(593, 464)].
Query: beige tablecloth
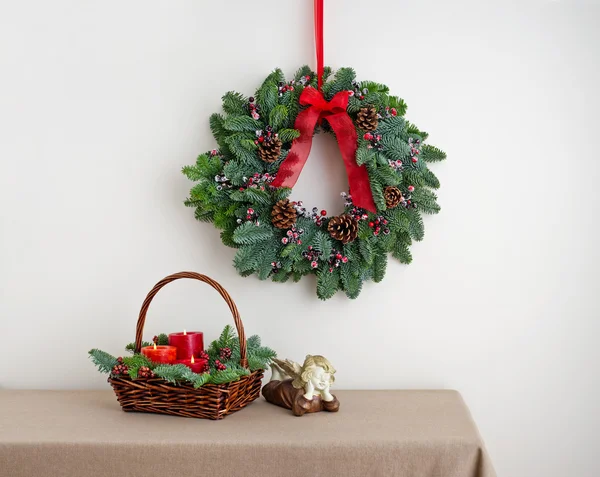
[(376, 433)]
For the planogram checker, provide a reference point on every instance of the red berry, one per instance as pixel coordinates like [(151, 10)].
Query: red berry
[(261, 139), (338, 256), (345, 259), (411, 188), (394, 112), (323, 212), (371, 224), (414, 159)]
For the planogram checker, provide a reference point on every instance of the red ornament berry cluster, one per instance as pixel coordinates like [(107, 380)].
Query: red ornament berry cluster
[(377, 224), (265, 136), (220, 366), (374, 139), (284, 88), (253, 108), (357, 91), (145, 372), (312, 255), (225, 354), (293, 236), (120, 368), (336, 259), (414, 149), (257, 181), (316, 216), (387, 113), (222, 182), (251, 216), (203, 355)]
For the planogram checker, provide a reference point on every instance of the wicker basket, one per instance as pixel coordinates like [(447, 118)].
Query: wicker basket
[(211, 401)]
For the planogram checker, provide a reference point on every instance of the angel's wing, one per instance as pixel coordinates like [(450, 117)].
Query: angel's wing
[(289, 367)]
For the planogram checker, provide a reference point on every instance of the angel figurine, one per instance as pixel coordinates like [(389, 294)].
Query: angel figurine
[(302, 388)]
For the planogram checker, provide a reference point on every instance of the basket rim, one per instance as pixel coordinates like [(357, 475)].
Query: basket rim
[(164, 382)]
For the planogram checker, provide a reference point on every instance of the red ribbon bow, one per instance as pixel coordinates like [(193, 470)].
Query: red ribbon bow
[(336, 115)]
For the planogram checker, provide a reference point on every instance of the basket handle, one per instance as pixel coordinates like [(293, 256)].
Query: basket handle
[(203, 278)]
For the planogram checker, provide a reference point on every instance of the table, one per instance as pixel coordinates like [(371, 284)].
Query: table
[(376, 433)]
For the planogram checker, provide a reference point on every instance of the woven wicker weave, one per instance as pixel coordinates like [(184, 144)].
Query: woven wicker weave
[(211, 401)]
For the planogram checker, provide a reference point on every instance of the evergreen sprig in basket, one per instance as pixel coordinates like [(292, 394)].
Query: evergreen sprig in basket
[(174, 389)]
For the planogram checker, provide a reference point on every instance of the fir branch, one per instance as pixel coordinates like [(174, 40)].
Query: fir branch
[(253, 342), (103, 361), (241, 123), (131, 346), (137, 361), (172, 373), (225, 376), (246, 258), (399, 104), (413, 131), (327, 283), (216, 126), (322, 243), (278, 117), (426, 201), (431, 153), (379, 266), (302, 72), (377, 191), (352, 283), (416, 228), (234, 103), (288, 135), (163, 339), (366, 250), (199, 380), (430, 179), (248, 233), (395, 148), (401, 252)]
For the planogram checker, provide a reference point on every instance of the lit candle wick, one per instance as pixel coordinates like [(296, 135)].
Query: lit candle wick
[(154, 345), (192, 359), (184, 332)]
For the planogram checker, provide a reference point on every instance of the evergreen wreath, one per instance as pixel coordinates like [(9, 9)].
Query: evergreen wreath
[(241, 185)]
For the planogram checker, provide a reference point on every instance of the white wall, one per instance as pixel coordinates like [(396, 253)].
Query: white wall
[(102, 103)]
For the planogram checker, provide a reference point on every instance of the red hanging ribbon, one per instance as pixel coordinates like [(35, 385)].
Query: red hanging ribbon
[(337, 117), (345, 132), (318, 14)]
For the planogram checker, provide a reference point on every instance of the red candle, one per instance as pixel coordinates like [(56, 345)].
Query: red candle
[(188, 343), (160, 354), (196, 365)]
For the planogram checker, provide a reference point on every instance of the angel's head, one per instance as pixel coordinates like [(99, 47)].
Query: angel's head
[(316, 370)]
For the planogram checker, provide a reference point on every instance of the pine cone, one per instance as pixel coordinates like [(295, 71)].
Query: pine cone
[(269, 151), (343, 228), (283, 215), (367, 118), (393, 196)]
